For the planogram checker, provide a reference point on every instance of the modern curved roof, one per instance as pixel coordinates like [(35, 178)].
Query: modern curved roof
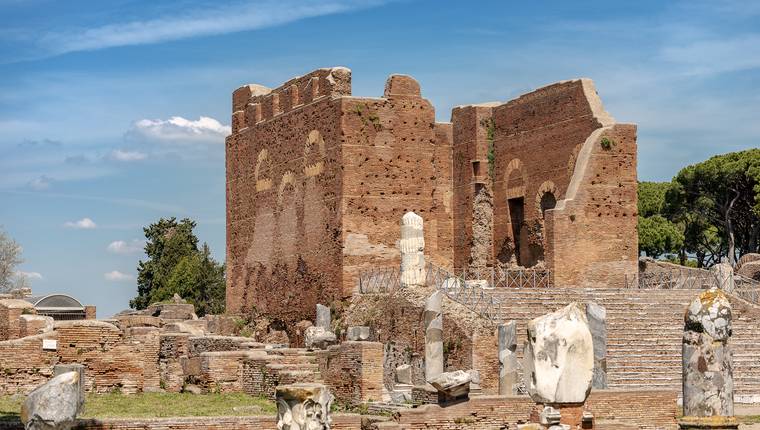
[(55, 301)]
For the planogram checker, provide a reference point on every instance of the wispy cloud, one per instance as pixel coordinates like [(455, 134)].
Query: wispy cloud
[(82, 224), (180, 130), (40, 183), (116, 276), (120, 155), (240, 16), (123, 247)]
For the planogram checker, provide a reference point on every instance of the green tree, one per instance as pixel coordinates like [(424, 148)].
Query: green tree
[(718, 202), (657, 235), (175, 265)]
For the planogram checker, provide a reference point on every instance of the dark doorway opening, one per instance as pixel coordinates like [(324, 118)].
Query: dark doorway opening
[(516, 217), (548, 201)]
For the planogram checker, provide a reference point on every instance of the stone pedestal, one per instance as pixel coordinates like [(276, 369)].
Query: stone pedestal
[(713, 423), (323, 319), (564, 415), (303, 407), (708, 387), (433, 319), (412, 246)]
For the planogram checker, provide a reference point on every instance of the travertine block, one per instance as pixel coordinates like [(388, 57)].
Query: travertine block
[(559, 357)]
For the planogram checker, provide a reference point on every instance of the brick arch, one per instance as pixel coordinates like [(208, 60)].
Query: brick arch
[(518, 190), (288, 180), (545, 187), (262, 168), (314, 163)]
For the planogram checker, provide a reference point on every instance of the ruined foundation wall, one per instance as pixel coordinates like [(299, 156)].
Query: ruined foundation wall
[(284, 168), (397, 320), (353, 371)]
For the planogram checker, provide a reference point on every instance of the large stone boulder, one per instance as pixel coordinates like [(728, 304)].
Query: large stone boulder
[(750, 269), (708, 386), (559, 357), (53, 405), (319, 338), (303, 407)]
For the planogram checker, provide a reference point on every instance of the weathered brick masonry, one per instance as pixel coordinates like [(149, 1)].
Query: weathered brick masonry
[(317, 180)]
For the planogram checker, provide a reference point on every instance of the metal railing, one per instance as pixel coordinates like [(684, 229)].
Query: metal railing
[(695, 279), (471, 293), (686, 279)]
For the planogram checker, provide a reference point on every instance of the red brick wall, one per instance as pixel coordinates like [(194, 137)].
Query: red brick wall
[(594, 236), (24, 365), (353, 371), (316, 188), (283, 190), (394, 161)]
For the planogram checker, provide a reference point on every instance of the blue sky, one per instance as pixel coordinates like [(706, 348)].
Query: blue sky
[(113, 114)]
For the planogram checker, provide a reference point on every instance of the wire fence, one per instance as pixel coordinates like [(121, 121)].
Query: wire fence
[(695, 279), (471, 293)]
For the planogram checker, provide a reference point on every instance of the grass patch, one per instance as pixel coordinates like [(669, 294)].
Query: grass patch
[(159, 405)]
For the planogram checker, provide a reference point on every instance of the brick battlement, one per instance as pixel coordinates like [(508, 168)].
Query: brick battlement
[(252, 104)]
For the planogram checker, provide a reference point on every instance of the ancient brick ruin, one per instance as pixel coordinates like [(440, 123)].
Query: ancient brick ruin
[(317, 180), (476, 274)]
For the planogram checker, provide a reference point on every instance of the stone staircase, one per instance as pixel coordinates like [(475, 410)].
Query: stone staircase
[(645, 328), (261, 374)]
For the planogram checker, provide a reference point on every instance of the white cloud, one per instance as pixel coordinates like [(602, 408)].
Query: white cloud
[(180, 130), (117, 276), (120, 155), (30, 275), (122, 247), (230, 18), (40, 183), (82, 224)]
